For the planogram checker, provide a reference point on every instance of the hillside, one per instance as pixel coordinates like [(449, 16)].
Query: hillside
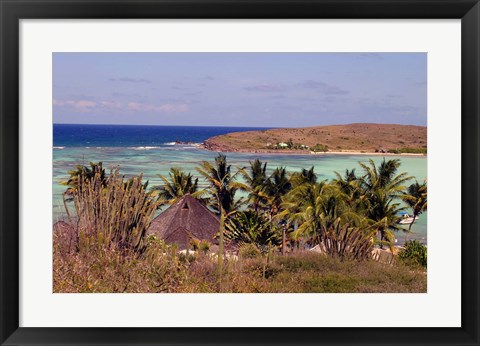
[(368, 138)]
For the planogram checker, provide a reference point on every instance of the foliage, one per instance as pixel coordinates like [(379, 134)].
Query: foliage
[(177, 185), (83, 173), (305, 176), (256, 181), (414, 253), (222, 184), (408, 151), (319, 148), (416, 199), (342, 217), (98, 268), (249, 250), (116, 215), (381, 187), (277, 185), (222, 187), (250, 227), (204, 246), (348, 243)]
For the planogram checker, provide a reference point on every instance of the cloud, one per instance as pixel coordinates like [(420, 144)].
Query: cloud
[(164, 108), (80, 105), (265, 87), (207, 78), (324, 88), (110, 105), (130, 80), (89, 106)]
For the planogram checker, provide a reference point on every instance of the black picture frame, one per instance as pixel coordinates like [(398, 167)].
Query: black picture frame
[(13, 10)]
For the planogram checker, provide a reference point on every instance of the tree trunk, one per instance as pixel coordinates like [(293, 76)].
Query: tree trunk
[(410, 227), (381, 238)]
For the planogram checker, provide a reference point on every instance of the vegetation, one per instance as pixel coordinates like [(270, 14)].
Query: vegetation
[(416, 199), (414, 253), (161, 269), (319, 148), (223, 188), (177, 185), (285, 213), (408, 151), (111, 212)]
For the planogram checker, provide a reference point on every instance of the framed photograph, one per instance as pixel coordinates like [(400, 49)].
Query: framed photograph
[(200, 172)]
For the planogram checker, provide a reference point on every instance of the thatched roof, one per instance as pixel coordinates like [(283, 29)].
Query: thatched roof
[(184, 220)]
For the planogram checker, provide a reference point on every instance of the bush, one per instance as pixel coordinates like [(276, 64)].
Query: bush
[(408, 151), (116, 214), (98, 268), (319, 147), (204, 246), (249, 251), (414, 253)]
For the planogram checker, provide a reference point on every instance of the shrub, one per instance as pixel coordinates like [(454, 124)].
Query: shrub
[(348, 243), (195, 244), (116, 214), (204, 246), (408, 151), (414, 253), (319, 147), (249, 251), (104, 269)]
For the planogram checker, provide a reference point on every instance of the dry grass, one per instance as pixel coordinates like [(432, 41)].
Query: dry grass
[(161, 269)]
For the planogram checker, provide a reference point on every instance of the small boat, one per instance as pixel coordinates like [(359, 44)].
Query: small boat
[(406, 219)]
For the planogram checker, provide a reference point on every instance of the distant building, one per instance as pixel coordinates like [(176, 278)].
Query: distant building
[(185, 220), (282, 145)]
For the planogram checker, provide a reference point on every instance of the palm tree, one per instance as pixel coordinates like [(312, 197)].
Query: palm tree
[(250, 227), (222, 184), (303, 177), (349, 185), (78, 177), (416, 198), (384, 177), (381, 186), (384, 212), (256, 181), (177, 185), (315, 208), (277, 185), (222, 188), (84, 173)]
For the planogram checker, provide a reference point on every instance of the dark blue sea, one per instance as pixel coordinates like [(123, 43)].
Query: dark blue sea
[(134, 135)]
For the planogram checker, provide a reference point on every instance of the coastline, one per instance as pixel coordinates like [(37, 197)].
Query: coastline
[(303, 152)]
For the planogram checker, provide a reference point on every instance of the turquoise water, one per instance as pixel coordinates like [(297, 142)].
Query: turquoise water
[(158, 160)]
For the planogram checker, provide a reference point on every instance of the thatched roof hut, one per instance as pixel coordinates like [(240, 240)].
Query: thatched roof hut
[(185, 220)]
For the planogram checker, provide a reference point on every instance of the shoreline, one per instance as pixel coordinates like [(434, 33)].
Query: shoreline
[(304, 152)]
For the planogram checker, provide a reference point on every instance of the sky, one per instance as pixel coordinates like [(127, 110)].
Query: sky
[(240, 89)]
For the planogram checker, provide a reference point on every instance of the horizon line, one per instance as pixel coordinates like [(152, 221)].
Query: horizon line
[(267, 127)]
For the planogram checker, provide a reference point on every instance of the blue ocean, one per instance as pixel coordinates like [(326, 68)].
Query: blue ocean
[(152, 150), (68, 135)]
